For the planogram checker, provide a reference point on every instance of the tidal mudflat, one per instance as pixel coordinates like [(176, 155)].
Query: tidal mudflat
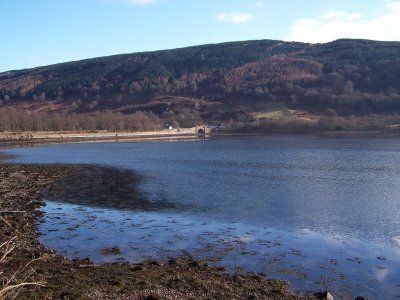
[(30, 270)]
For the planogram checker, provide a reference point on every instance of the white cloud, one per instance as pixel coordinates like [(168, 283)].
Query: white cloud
[(260, 3), (332, 25), (381, 274), (235, 17)]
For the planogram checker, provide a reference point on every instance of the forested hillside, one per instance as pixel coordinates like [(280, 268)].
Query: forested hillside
[(342, 84)]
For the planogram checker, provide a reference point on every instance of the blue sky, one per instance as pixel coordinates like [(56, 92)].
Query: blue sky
[(42, 32)]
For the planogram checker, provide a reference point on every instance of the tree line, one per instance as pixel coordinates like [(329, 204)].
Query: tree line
[(12, 119)]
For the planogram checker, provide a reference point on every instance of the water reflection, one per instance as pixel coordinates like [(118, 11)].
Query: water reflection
[(97, 186), (309, 259)]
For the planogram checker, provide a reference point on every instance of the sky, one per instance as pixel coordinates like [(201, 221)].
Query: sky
[(42, 32)]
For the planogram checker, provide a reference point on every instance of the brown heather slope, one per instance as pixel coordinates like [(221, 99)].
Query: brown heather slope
[(352, 77)]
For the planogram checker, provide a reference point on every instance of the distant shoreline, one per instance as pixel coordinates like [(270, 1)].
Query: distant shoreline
[(21, 138), (4, 156), (52, 137)]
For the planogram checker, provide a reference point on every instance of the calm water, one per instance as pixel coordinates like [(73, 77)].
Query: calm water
[(321, 212)]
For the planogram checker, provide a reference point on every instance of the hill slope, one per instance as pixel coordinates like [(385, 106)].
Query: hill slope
[(230, 81)]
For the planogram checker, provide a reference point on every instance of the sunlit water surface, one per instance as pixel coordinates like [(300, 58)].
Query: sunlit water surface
[(321, 212)]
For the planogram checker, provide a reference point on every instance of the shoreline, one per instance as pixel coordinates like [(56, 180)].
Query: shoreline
[(10, 139), (27, 138), (5, 156), (53, 276)]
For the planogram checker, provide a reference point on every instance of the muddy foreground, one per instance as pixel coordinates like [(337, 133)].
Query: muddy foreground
[(43, 274)]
